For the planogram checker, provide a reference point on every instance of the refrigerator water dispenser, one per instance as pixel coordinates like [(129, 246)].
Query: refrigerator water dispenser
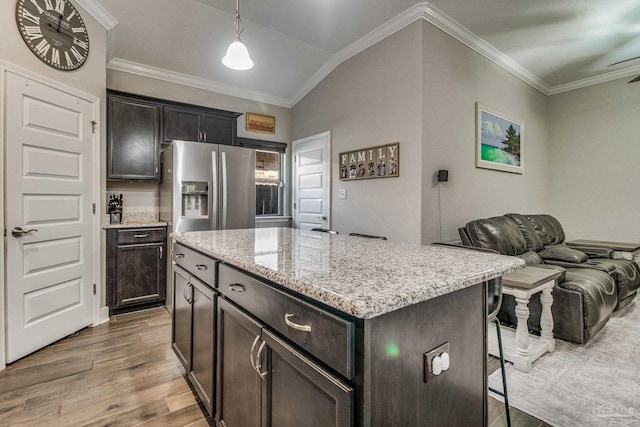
[(195, 199)]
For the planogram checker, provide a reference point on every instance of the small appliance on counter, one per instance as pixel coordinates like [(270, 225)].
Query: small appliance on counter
[(115, 209)]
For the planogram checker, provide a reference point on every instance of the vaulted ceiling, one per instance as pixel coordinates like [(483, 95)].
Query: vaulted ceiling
[(553, 45)]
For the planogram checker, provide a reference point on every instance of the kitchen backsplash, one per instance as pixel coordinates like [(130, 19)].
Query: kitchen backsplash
[(140, 201)]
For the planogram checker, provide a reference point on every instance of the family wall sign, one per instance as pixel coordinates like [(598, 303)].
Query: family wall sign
[(374, 162)]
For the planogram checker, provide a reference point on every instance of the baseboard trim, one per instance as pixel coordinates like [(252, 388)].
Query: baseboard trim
[(104, 316)]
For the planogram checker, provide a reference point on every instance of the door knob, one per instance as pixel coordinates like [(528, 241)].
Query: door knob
[(19, 231), (324, 218)]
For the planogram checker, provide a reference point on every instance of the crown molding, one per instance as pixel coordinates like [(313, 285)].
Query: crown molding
[(119, 64), (466, 37), (590, 81), (100, 14)]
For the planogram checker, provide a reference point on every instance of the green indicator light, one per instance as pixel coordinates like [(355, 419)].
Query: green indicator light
[(393, 350)]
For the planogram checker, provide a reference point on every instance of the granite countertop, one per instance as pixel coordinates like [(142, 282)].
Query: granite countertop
[(136, 224), (359, 276)]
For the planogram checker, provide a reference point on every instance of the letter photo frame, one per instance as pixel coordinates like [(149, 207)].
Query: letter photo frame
[(382, 161), (499, 141)]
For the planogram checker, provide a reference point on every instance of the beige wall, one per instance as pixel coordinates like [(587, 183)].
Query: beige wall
[(595, 161), (373, 99), (455, 78), (419, 86)]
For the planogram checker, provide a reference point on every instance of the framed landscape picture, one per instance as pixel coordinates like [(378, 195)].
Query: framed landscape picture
[(261, 123), (499, 143)]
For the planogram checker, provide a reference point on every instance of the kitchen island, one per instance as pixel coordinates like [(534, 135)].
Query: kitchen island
[(315, 329)]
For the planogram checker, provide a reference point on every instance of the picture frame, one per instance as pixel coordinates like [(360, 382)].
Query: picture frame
[(499, 141), (382, 161), (260, 123)]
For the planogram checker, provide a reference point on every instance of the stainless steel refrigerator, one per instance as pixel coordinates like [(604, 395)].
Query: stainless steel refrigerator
[(206, 187)]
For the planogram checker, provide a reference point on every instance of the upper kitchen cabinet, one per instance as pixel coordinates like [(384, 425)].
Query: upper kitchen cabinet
[(133, 135), (199, 124)]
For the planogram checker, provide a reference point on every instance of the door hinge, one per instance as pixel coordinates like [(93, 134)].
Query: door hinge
[(93, 126), (94, 288), (294, 206), (94, 208)]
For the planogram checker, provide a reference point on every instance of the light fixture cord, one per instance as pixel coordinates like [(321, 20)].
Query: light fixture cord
[(237, 23)]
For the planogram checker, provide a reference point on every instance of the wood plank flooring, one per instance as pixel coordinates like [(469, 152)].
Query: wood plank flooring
[(123, 373)]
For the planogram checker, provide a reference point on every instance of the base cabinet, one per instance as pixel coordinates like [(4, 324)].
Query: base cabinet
[(136, 268), (263, 381), (194, 333)]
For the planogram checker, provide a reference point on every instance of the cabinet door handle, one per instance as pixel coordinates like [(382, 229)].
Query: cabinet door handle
[(179, 255), (141, 236), (253, 347), (259, 360), (184, 290), (201, 267), (205, 136), (296, 326), (160, 252), (236, 287)]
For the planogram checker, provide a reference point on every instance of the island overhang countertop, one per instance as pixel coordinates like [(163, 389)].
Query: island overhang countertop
[(358, 276)]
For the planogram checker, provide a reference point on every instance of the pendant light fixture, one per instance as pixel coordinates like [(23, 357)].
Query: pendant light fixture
[(237, 57)]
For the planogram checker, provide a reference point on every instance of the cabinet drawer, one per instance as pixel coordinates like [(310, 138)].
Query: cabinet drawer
[(141, 235), (325, 336), (197, 264)]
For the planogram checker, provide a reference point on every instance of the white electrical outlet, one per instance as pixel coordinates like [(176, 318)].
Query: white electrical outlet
[(342, 193)]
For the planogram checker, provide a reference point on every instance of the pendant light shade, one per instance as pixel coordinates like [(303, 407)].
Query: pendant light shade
[(237, 57)]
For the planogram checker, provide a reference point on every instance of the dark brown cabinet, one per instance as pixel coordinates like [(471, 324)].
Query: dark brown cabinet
[(193, 124), (194, 325), (264, 381), (136, 269), (133, 135)]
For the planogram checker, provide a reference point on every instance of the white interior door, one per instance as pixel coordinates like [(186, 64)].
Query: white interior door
[(312, 182), (49, 181)]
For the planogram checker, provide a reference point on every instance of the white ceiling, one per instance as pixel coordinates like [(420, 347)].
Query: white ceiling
[(553, 45)]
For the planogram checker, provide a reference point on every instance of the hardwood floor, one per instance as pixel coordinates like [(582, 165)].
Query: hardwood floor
[(123, 373)]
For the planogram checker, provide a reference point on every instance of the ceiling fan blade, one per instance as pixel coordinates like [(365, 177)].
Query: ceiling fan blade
[(626, 60), (637, 79)]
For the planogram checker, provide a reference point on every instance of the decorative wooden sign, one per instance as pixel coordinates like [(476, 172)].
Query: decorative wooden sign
[(373, 162)]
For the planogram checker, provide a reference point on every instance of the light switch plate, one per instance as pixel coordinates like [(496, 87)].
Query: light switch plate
[(428, 359), (342, 193)]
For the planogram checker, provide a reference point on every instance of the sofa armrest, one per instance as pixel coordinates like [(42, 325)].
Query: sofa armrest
[(563, 254), (594, 252)]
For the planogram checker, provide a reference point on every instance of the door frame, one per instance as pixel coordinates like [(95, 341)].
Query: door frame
[(97, 161), (294, 187)]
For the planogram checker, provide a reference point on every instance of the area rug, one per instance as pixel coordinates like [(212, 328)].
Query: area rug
[(597, 384)]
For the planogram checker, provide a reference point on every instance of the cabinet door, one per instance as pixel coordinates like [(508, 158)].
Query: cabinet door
[(133, 149), (181, 325), (182, 124), (301, 393), (218, 130), (239, 391), (140, 277), (203, 342)]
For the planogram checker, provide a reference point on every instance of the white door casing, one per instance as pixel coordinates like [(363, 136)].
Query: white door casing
[(312, 182), (50, 185)]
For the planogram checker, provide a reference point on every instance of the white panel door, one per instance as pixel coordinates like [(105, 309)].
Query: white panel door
[(49, 158), (312, 182)]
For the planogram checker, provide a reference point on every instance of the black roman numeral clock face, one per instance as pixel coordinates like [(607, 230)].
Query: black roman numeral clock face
[(54, 31)]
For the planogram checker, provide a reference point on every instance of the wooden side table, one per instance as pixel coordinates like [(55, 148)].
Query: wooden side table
[(518, 346), (620, 249)]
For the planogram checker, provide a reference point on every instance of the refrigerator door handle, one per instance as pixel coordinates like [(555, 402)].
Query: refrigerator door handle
[(223, 157), (213, 190)]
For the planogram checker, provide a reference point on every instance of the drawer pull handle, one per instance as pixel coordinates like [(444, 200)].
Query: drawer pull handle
[(296, 326), (141, 236), (235, 287), (201, 267), (179, 255)]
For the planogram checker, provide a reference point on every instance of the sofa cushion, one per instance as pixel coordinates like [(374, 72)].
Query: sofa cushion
[(548, 228), (499, 233), (563, 253), (534, 243), (531, 258)]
